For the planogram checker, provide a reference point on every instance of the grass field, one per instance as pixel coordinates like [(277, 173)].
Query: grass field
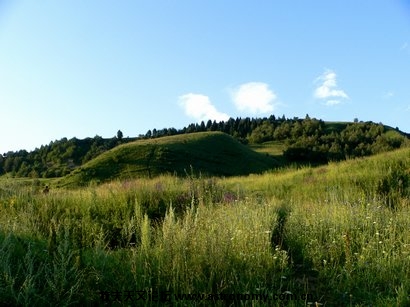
[(274, 148), (335, 235)]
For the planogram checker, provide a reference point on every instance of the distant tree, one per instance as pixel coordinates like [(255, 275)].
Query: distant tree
[(191, 128), (172, 131), (164, 132), (208, 124), (119, 135), (282, 132), (23, 169), (202, 128), (262, 133), (297, 130), (1, 164), (214, 126)]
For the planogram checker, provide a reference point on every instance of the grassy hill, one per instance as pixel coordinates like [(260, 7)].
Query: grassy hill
[(339, 232), (211, 153)]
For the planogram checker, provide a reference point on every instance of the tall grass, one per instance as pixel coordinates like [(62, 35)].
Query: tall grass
[(339, 232)]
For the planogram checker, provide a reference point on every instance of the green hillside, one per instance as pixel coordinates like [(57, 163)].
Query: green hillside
[(210, 153), (334, 235)]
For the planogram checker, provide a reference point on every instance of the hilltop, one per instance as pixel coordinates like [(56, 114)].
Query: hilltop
[(209, 153)]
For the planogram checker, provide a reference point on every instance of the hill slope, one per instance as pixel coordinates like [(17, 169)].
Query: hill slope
[(211, 153)]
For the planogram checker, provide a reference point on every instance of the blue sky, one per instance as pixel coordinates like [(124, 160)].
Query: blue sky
[(86, 68)]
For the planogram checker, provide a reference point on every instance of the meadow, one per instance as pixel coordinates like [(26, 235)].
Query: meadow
[(334, 235)]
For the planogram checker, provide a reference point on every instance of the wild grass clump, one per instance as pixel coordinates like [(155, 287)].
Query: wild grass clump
[(32, 277)]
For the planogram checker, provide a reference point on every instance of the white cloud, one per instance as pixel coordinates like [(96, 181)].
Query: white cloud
[(200, 108), (328, 88), (255, 97)]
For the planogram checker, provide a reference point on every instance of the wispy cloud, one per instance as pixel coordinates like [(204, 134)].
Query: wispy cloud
[(405, 48), (332, 102), (200, 108), (254, 97), (327, 89), (388, 94)]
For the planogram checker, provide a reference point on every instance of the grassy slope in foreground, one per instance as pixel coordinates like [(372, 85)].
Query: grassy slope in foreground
[(211, 153)]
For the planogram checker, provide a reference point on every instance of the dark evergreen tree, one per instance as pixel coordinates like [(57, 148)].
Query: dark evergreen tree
[(209, 125), (202, 127), (119, 135)]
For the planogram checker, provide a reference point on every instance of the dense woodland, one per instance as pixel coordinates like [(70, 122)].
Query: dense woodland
[(305, 140)]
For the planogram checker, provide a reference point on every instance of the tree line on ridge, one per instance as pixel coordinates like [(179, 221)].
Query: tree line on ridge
[(304, 140)]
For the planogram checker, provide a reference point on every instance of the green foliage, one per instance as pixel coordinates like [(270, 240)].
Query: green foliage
[(319, 144), (57, 159), (262, 133)]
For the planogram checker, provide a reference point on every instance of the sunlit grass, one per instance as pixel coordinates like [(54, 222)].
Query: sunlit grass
[(345, 239)]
